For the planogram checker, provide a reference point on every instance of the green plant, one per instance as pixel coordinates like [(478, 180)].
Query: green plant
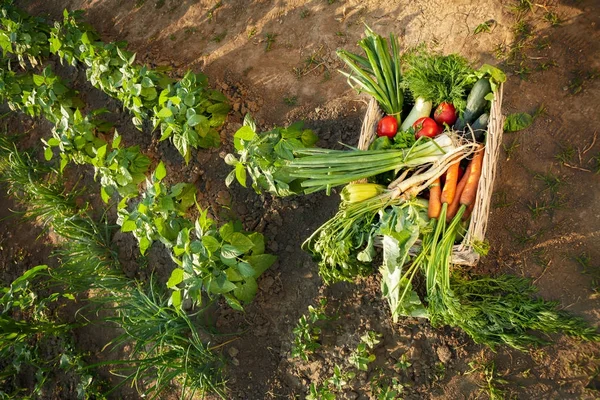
[(291, 100), (522, 6), (361, 357), (377, 73), (339, 380), (403, 362), (187, 111), (264, 156), (319, 392), (566, 153), (166, 347), (492, 381), (484, 27), (22, 35), (306, 333), (226, 261), (159, 213), (269, 40), (550, 181), (511, 148), (553, 18)]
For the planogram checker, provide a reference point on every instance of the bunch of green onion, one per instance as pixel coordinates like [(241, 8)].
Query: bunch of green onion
[(324, 169)]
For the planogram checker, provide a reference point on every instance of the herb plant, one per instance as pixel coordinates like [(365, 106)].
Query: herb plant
[(265, 156)]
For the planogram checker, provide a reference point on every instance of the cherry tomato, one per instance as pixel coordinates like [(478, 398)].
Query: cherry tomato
[(387, 126), (445, 113), (426, 127)]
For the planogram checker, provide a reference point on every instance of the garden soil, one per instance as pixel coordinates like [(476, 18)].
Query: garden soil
[(277, 61)]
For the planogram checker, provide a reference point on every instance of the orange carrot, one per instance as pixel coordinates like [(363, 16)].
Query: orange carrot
[(453, 207), (468, 195), (469, 210), (450, 185), (434, 199)]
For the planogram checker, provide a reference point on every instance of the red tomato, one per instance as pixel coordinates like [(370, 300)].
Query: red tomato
[(445, 113), (426, 127), (387, 126)]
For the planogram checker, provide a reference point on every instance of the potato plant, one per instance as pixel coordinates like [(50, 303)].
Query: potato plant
[(187, 111)]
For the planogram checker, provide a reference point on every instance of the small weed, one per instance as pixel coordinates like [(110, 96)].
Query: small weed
[(523, 71), (485, 27), (511, 148), (304, 13), (522, 30), (340, 379), (575, 85), (537, 207), (306, 333), (139, 3), (251, 32), (500, 51), (523, 237), (501, 199), (543, 43), (522, 6), (269, 39), (316, 392), (585, 261), (172, 37), (566, 153), (190, 30), (543, 66), (211, 12), (493, 381), (330, 2), (361, 357), (291, 100), (219, 37), (340, 34), (596, 160), (159, 4), (403, 363), (540, 257), (439, 370), (552, 18), (551, 182)]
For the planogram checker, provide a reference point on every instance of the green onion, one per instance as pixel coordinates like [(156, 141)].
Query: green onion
[(377, 74), (324, 169)]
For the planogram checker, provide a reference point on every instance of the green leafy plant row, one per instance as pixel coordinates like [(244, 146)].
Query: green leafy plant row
[(209, 260), (165, 343), (22, 35), (119, 168), (187, 111), (218, 261)]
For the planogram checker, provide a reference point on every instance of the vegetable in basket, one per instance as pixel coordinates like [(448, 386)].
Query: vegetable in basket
[(378, 72)]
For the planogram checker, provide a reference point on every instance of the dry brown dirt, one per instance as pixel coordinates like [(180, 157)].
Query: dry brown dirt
[(276, 59)]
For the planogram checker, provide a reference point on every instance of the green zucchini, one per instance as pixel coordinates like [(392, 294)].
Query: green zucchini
[(476, 103), (480, 127)]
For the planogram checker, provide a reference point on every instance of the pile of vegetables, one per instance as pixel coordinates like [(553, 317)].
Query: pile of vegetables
[(407, 199)]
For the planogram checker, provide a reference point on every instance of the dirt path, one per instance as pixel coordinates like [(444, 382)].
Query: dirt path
[(276, 59)]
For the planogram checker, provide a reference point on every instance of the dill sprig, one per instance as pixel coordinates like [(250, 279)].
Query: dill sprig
[(438, 78)]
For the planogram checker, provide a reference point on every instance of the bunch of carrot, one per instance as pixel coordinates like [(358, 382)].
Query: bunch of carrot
[(448, 205)]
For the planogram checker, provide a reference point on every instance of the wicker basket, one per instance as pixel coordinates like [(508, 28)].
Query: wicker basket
[(463, 253)]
